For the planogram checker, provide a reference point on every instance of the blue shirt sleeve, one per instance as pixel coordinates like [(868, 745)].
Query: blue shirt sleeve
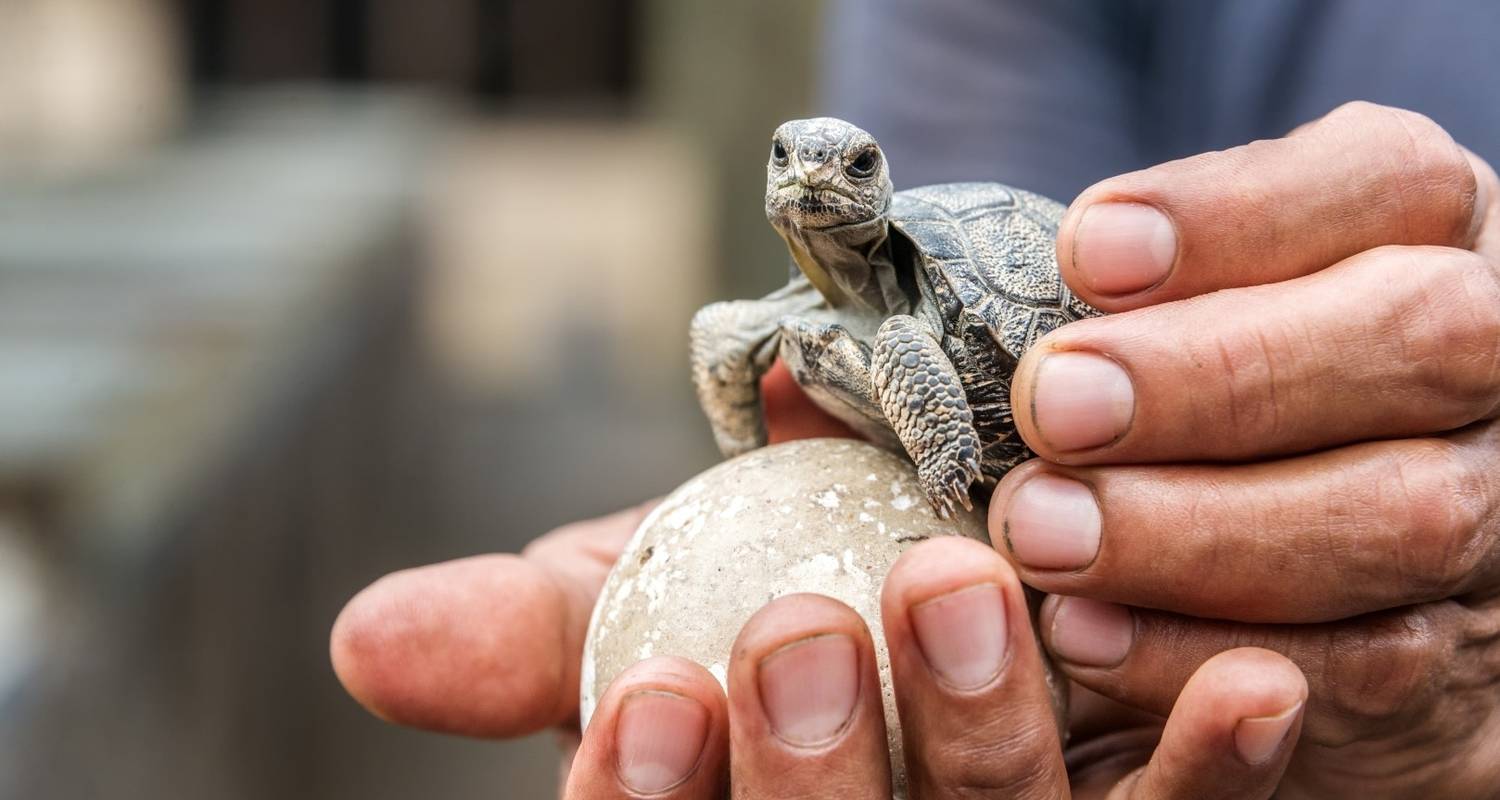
[(1053, 95)]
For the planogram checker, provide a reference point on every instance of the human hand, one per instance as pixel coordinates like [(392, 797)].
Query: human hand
[(492, 645), (803, 716), (1287, 439)]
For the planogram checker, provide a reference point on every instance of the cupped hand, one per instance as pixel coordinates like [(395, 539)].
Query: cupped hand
[(1286, 439), (803, 718), (492, 645)]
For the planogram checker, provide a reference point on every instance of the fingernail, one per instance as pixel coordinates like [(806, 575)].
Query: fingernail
[(1120, 248), (1258, 738), (962, 635), (1053, 522), (658, 739), (808, 688), (1081, 400), (1090, 633)]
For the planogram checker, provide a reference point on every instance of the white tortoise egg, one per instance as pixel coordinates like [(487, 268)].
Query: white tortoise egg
[(827, 516)]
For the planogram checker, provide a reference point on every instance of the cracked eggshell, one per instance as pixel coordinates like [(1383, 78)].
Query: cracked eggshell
[(827, 516)]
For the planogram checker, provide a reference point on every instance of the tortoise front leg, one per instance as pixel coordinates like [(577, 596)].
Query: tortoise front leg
[(923, 399), (833, 369), (732, 346)]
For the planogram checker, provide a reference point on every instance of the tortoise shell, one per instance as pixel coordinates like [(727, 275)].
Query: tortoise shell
[(990, 250)]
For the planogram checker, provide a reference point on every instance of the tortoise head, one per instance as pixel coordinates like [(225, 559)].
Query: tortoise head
[(825, 173)]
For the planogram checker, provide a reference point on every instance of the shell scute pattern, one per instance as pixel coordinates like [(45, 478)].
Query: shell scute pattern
[(941, 239), (960, 200), (992, 249), (967, 283)]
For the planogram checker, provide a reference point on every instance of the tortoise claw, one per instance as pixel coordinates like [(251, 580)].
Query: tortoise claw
[(948, 487)]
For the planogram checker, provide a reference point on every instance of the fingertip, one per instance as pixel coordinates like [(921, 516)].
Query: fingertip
[(943, 565), (1232, 730), (471, 647), (1484, 222), (836, 635), (793, 615), (1249, 682), (1048, 522), (661, 730), (373, 642), (668, 674), (797, 669), (1085, 635), (354, 649), (1249, 700), (1004, 488), (806, 702), (954, 609), (1023, 393), (976, 705)]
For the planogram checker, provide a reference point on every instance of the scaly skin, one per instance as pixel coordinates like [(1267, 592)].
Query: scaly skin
[(923, 399), (905, 313), (732, 345)]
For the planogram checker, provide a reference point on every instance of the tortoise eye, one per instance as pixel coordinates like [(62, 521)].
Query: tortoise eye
[(778, 153), (864, 165)]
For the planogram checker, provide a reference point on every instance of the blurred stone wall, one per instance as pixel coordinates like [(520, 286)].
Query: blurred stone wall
[(728, 74), (84, 83), (513, 360)]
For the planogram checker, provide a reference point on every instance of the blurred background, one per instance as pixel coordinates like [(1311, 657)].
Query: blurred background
[(294, 293)]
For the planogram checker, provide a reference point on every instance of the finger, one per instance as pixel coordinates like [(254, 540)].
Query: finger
[(1307, 539), (806, 719), (1361, 177), (791, 414), (1486, 228), (483, 646), (661, 731), (1230, 734), (976, 713), (1398, 341), (1367, 676)]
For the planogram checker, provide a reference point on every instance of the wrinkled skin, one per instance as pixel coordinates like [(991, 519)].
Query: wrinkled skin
[(1309, 461), (859, 323), (1308, 464), (824, 173), (490, 646)]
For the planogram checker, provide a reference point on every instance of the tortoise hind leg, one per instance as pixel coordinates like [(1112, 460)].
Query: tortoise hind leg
[(920, 392)]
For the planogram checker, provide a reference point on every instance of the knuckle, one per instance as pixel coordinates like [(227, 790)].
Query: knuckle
[(998, 760), (1439, 319), (1431, 165), (1414, 133), (1462, 308), (1380, 671), (1440, 513), (1250, 400), (1362, 110)]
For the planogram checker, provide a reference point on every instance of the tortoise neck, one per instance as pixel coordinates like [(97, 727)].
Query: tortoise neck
[(850, 265)]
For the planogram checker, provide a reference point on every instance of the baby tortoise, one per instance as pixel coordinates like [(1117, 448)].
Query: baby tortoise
[(905, 315)]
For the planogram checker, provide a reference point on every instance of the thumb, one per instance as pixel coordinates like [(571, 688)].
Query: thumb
[(486, 646)]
